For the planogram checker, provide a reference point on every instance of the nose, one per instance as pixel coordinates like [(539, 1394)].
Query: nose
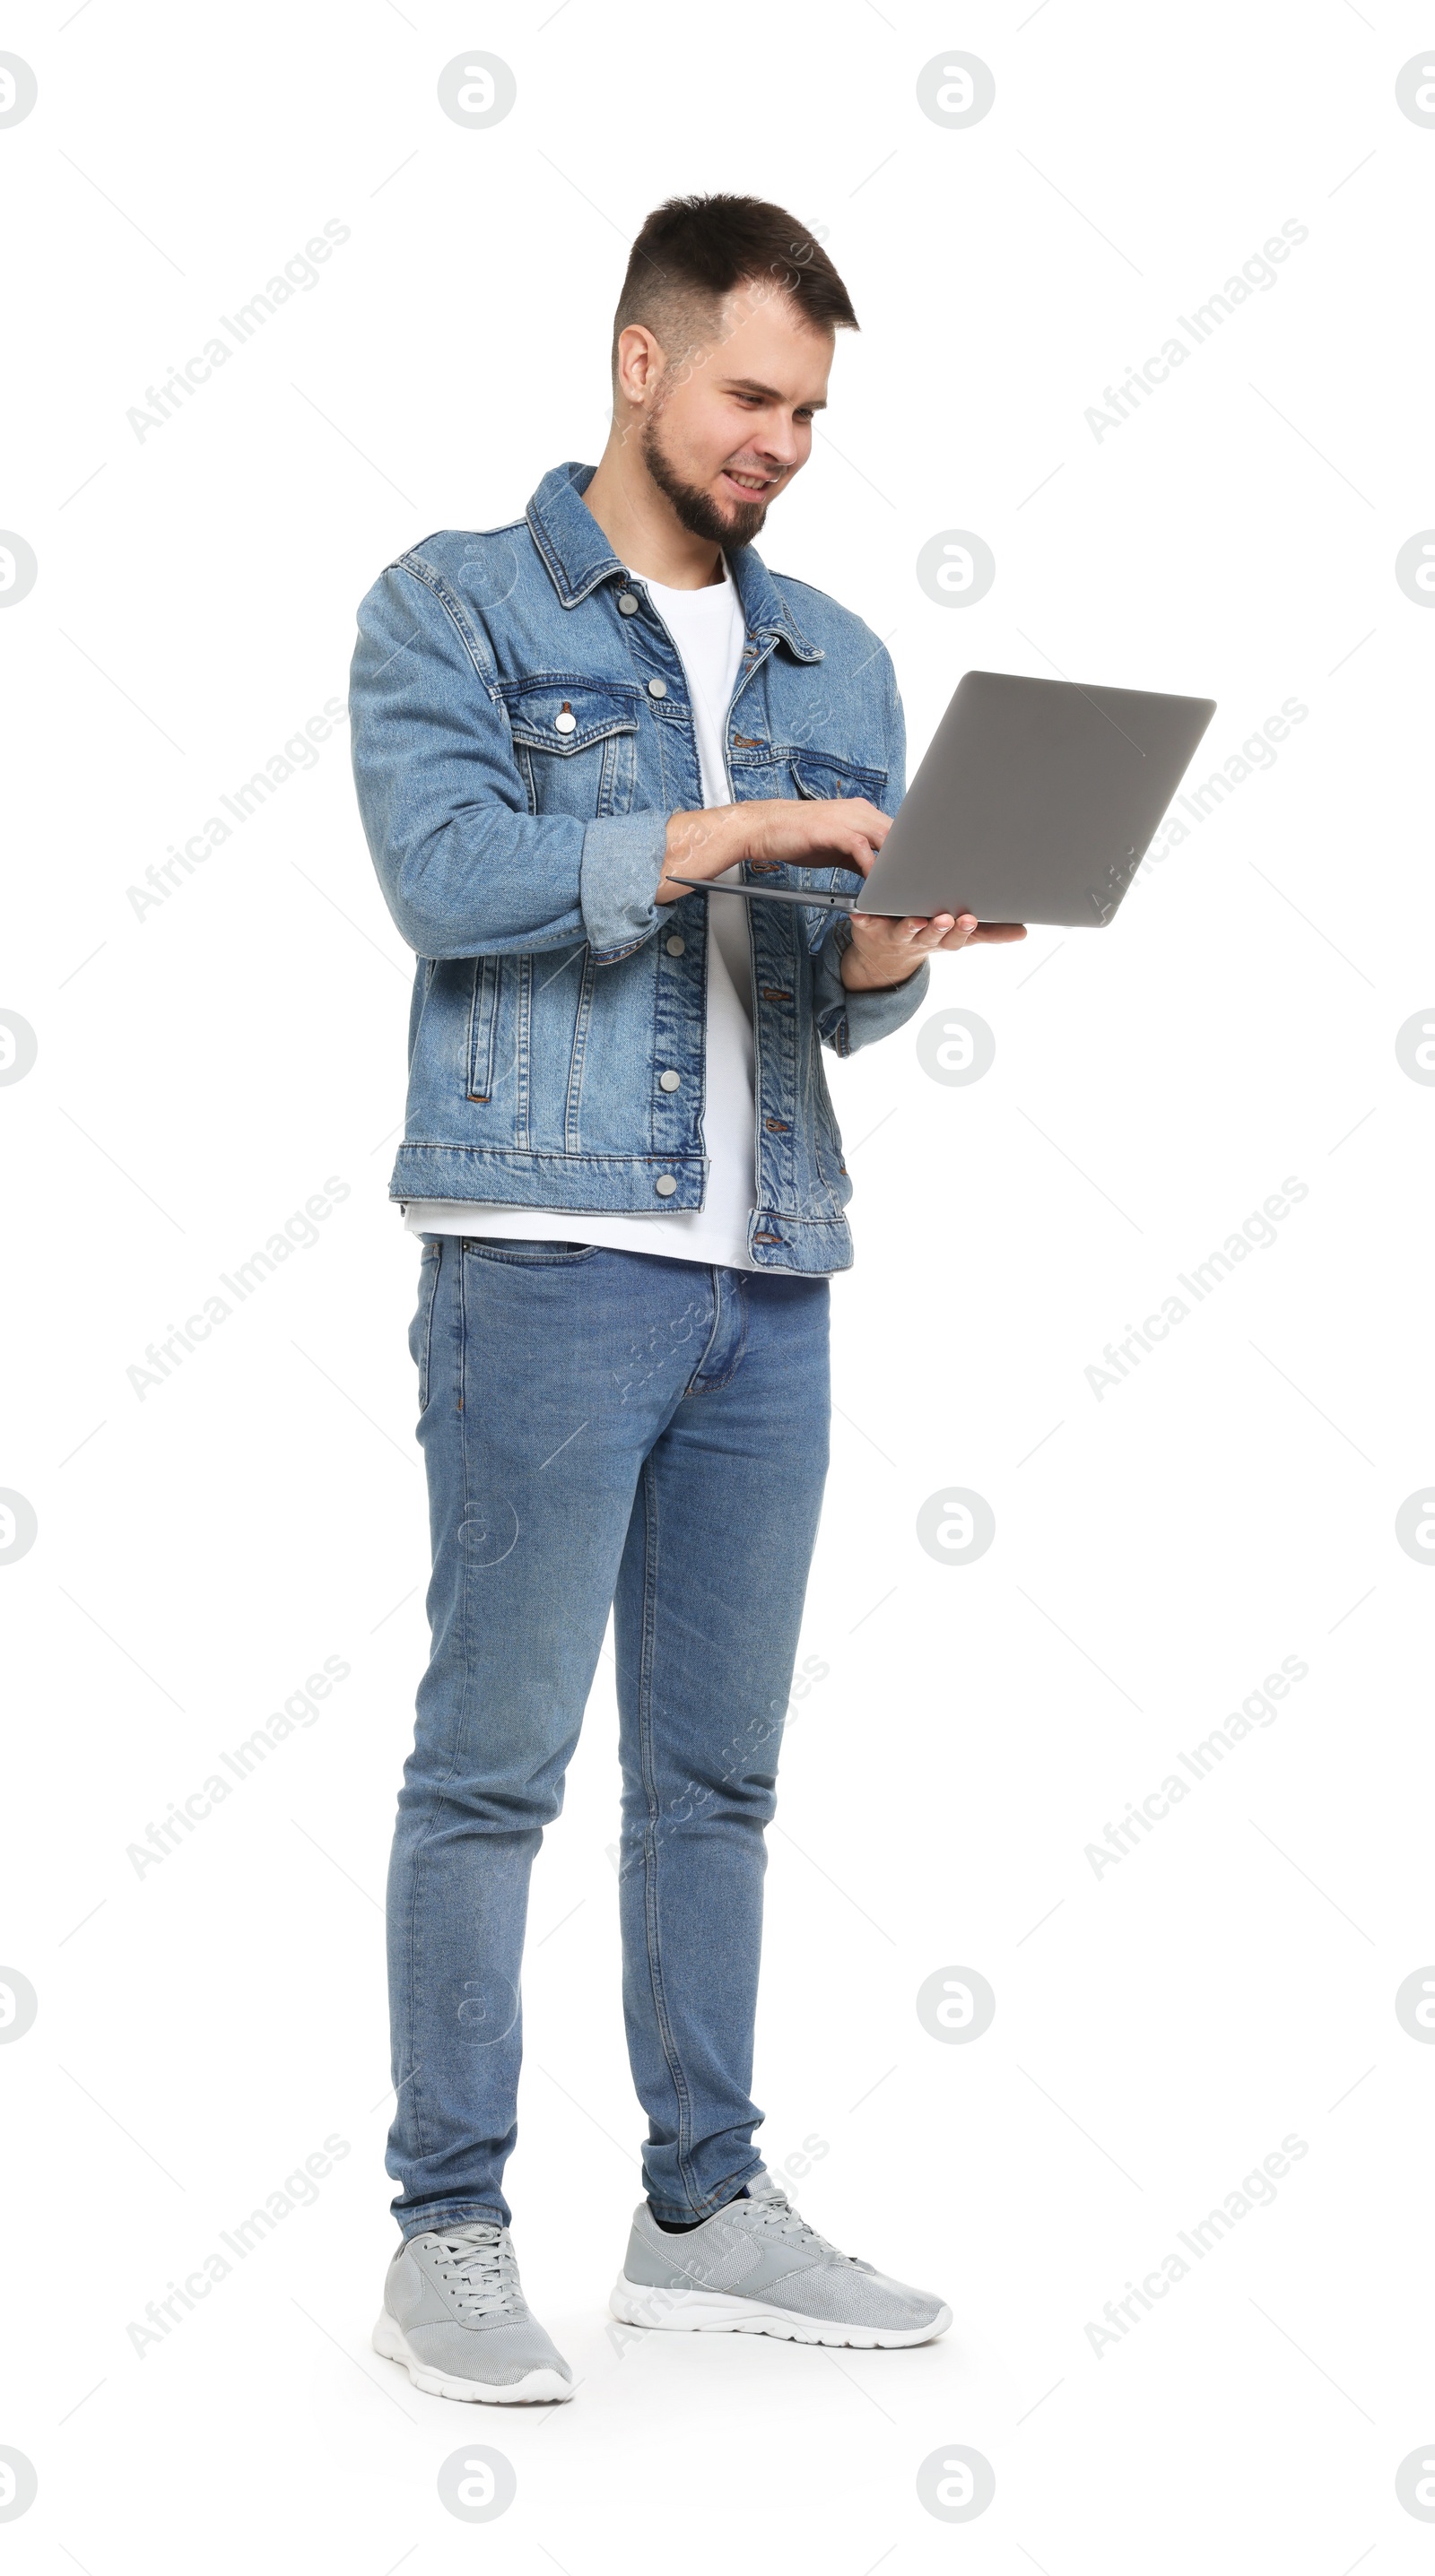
[(777, 451)]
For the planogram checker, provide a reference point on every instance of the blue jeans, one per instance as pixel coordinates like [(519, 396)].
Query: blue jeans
[(601, 1429)]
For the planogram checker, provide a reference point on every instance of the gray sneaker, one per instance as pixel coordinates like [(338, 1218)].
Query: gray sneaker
[(756, 2267), (455, 2315)]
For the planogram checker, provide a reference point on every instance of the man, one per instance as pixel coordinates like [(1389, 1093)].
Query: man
[(624, 1169)]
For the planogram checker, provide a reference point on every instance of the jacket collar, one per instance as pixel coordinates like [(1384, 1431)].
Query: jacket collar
[(577, 557)]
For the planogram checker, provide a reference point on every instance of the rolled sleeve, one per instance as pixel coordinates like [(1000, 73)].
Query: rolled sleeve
[(622, 861), (847, 1021)]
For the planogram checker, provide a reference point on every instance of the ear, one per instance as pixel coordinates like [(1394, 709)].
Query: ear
[(641, 361)]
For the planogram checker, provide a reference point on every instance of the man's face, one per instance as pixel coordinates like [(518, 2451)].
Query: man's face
[(730, 423)]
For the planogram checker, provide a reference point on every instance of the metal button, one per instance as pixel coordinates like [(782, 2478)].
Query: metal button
[(675, 946), (657, 688), (669, 1081), (666, 1186), (565, 721), (627, 604)]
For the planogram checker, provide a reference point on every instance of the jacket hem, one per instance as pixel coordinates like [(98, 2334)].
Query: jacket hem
[(589, 1184), (608, 1185)]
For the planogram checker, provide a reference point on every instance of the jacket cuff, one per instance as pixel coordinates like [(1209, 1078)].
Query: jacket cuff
[(846, 1021), (877, 1014), (622, 860)]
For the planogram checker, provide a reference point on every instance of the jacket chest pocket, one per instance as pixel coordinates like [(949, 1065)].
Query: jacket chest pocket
[(576, 745), (818, 774)]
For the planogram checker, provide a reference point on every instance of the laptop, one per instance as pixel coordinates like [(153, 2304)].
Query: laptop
[(1036, 801)]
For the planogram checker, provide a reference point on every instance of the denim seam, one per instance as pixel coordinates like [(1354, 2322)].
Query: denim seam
[(461, 1723), (696, 1373), (713, 1386), (650, 1839), (544, 1154), (403, 2076), (421, 571), (429, 1275)]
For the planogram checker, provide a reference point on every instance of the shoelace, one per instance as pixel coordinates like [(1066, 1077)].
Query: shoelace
[(774, 2211), (481, 2272)]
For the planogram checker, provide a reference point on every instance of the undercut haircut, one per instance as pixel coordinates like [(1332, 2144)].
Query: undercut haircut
[(693, 251)]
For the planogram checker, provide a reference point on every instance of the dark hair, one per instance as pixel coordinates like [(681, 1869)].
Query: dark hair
[(692, 251)]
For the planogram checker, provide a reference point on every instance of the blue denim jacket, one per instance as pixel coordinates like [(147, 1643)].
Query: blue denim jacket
[(519, 742)]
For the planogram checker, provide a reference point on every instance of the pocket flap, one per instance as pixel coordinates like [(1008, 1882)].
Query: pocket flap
[(819, 773), (563, 715)]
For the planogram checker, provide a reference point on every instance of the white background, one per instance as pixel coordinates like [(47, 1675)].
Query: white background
[(204, 1068)]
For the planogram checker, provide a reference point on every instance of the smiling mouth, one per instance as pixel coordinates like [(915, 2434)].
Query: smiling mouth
[(750, 484)]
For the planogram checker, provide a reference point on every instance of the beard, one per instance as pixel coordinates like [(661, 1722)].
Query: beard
[(696, 510)]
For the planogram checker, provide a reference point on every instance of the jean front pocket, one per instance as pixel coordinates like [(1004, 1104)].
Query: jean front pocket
[(527, 1250), (421, 1329)]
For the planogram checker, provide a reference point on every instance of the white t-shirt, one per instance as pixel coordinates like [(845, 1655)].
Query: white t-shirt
[(707, 627)]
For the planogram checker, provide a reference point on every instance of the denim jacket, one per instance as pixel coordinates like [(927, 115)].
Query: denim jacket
[(521, 732)]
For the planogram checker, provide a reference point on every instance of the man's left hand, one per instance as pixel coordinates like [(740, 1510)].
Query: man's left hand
[(884, 952)]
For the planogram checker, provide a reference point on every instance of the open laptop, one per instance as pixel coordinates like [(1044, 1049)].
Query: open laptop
[(1036, 801)]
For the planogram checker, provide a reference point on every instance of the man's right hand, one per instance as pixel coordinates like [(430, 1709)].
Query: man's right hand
[(816, 832)]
